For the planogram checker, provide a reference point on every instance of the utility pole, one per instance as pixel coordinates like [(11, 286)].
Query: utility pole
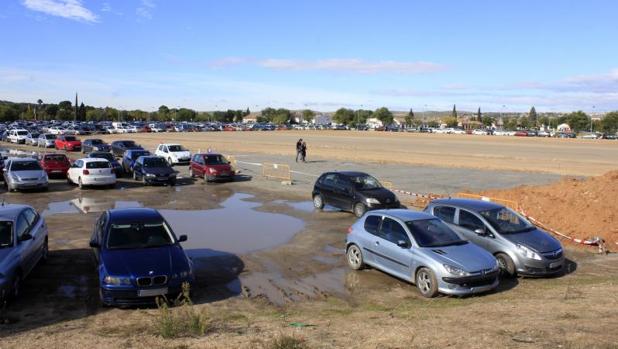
[(76, 108)]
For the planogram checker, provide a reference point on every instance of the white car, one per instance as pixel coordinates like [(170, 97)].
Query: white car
[(131, 129), (120, 129), (56, 130), (91, 171), (18, 136), (110, 130), (480, 132), (175, 154)]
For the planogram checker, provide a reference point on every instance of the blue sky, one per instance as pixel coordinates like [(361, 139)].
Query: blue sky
[(426, 55)]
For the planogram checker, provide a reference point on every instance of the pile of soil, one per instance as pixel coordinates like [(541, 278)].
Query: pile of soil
[(580, 208)]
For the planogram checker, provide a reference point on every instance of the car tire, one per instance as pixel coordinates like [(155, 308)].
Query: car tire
[(170, 161), (507, 267), (318, 202), (69, 182), (45, 252), (191, 172), (426, 282), (359, 209), (16, 285), (134, 176), (79, 183), (354, 257), (144, 182), (172, 182)]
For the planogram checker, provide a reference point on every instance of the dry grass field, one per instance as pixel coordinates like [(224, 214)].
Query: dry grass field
[(560, 156)]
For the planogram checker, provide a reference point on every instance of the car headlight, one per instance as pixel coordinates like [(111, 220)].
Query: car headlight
[(212, 170), (528, 253), (15, 177), (150, 175), (43, 176), (373, 201), (455, 271), (117, 280)]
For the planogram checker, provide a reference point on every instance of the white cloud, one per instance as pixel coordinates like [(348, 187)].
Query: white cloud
[(71, 9), (145, 9), (350, 65)]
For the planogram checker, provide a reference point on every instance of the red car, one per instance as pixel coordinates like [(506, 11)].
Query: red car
[(521, 134), (211, 167), (68, 143), (55, 164)]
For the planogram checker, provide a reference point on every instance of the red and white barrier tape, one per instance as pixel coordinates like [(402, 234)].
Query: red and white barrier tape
[(424, 196)]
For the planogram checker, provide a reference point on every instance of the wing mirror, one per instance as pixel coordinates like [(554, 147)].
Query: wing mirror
[(25, 237), (402, 244), (482, 232), (182, 238)]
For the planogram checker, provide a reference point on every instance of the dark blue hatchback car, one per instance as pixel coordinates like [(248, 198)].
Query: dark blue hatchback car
[(139, 258)]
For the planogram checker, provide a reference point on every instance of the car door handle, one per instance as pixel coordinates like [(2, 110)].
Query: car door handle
[(377, 243)]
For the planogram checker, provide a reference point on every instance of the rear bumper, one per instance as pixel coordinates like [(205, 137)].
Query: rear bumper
[(98, 180), (51, 172)]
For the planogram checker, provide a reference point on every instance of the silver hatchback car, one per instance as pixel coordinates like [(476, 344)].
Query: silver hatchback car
[(24, 173), (519, 246), (421, 249)]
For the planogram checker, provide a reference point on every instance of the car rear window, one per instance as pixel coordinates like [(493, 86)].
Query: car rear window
[(372, 223), (137, 154), (50, 136), (25, 166), (6, 234), (70, 138), (22, 133), (155, 162), (59, 158), (98, 164), (214, 160), (445, 213), (96, 141), (107, 156)]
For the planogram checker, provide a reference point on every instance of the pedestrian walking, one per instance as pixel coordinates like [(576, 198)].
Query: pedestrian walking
[(303, 151), (299, 145)]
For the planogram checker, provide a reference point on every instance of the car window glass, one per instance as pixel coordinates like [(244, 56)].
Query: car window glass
[(470, 221), (445, 213), (6, 233), (21, 226), (329, 179), (393, 231), (372, 224), (30, 215)]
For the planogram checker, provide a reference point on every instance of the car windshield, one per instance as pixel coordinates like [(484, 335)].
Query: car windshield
[(215, 160), (365, 182), (128, 143), (50, 136), (97, 164), (25, 166), (96, 141), (59, 158), (176, 148), (137, 154), (22, 133), (433, 233), (6, 234), (69, 138), (506, 221), (155, 162), (108, 156), (139, 236)]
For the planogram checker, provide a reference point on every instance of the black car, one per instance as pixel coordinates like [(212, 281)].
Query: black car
[(153, 170), (118, 170), (352, 191), (95, 144), (119, 147)]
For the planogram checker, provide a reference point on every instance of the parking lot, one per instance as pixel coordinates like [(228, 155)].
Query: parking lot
[(266, 259)]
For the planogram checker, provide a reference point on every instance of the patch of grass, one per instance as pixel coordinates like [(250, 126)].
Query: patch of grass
[(183, 321), (287, 342)]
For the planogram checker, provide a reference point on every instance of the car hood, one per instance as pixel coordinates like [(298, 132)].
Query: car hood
[(141, 262), (536, 239), (29, 174), (103, 147), (381, 194), (468, 257), (158, 171), (73, 142)]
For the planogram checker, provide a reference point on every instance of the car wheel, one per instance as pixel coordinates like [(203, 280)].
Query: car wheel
[(16, 285), (355, 257), (318, 202), (427, 283), (79, 183), (45, 252), (144, 182), (134, 176), (359, 209), (507, 267), (170, 161), (191, 172), (69, 182), (172, 182)]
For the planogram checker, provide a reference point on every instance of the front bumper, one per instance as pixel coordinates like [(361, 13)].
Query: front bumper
[(24, 185), (160, 180), (546, 267), (460, 286), (382, 206), (183, 161), (73, 147), (129, 297), (220, 176)]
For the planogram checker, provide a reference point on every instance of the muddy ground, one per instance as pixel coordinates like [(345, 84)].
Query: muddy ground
[(270, 266)]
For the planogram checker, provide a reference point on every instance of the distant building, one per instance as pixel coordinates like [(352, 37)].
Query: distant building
[(565, 128), (322, 119)]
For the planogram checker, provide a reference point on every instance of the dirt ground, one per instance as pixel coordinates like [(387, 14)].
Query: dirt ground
[(296, 286), (561, 156)]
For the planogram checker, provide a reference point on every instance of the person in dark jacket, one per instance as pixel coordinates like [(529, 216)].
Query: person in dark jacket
[(298, 148), (303, 151)]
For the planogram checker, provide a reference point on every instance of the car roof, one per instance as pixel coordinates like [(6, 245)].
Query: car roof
[(25, 159), (403, 214), (10, 211), (53, 154), (349, 173), (208, 154), (134, 215), (469, 204), (92, 159), (151, 157), (168, 144)]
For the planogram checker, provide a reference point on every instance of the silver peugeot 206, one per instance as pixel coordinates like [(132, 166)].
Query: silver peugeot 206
[(421, 249)]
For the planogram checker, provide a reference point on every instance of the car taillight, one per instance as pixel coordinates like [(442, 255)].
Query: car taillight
[(350, 230), (86, 172)]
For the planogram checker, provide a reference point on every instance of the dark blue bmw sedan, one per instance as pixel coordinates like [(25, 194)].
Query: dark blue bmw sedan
[(139, 258)]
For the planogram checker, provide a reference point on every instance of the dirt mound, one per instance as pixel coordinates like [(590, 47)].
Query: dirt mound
[(578, 208)]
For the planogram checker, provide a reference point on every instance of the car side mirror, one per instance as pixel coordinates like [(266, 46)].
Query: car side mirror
[(182, 238), (25, 237), (402, 244), (94, 244), (483, 232)]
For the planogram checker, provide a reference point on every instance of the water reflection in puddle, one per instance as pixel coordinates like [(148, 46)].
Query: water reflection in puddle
[(86, 205), (304, 206)]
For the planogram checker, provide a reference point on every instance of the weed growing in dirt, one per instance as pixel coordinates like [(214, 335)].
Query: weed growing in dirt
[(183, 319), (287, 342)]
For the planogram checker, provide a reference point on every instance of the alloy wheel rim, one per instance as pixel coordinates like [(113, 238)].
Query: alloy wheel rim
[(317, 201), (424, 282), (354, 256)]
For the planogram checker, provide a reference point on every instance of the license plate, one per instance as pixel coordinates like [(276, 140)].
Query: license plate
[(56, 171), (152, 292), (554, 265)]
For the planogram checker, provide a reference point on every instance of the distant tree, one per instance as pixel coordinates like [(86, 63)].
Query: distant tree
[(344, 116), (185, 114), (487, 120), (239, 115), (361, 116), (479, 116), (384, 115), (247, 112), (451, 121), (578, 121), (164, 112), (51, 110), (112, 114), (532, 117), (308, 115), (543, 120), (277, 116), (66, 105), (454, 112), (523, 122), (609, 123), (64, 114), (81, 112), (8, 113), (409, 118)]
